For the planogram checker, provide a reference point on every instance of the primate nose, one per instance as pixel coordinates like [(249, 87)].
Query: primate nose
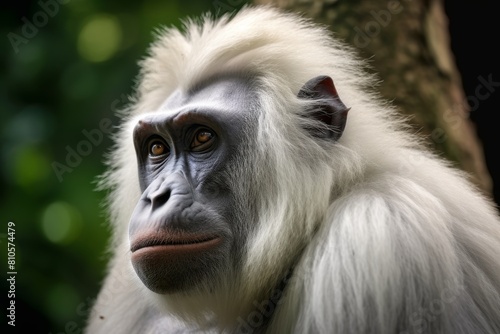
[(160, 196), (173, 185)]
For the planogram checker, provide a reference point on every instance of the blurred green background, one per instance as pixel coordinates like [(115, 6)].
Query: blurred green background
[(67, 67)]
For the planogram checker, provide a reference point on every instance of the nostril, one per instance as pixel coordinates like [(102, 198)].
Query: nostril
[(158, 199)]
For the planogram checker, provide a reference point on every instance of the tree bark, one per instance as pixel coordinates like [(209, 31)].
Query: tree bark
[(407, 44)]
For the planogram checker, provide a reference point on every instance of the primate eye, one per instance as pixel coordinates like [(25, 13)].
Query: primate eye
[(202, 140), (157, 148)]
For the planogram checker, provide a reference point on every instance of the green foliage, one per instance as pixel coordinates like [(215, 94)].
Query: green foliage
[(67, 67)]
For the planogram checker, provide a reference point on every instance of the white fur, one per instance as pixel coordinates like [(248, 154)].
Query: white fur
[(381, 228)]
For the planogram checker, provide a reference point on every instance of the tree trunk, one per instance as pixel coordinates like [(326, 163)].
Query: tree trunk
[(407, 42)]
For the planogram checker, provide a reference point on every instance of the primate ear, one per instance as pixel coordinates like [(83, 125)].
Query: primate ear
[(328, 108)]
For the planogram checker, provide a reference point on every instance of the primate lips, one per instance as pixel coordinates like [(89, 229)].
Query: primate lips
[(186, 243)]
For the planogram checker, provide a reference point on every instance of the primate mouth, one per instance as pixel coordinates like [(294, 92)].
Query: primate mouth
[(177, 241)]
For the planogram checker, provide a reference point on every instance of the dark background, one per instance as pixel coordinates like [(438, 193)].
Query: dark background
[(51, 91), (474, 29)]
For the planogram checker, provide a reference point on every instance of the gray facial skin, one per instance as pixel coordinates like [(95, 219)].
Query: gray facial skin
[(183, 227)]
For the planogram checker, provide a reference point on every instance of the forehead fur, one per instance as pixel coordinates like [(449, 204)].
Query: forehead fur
[(259, 41)]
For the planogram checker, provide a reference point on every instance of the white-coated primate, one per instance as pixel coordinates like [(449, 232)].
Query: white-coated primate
[(259, 185)]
